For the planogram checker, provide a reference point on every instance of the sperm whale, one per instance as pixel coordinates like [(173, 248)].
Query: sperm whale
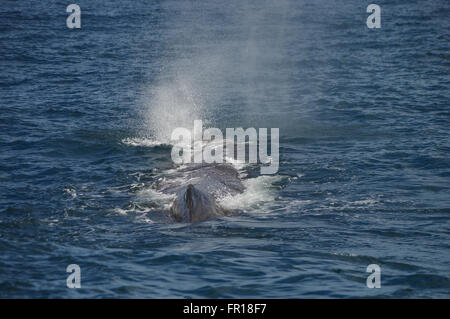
[(197, 188)]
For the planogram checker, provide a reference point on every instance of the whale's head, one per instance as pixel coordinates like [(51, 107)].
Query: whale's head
[(192, 205)]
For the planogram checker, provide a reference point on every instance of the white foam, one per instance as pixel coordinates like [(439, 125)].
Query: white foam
[(71, 191), (153, 196), (143, 141), (121, 211), (258, 190)]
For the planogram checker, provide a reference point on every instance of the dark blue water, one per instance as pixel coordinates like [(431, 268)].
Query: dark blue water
[(364, 158)]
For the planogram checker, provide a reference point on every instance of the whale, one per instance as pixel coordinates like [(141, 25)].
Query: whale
[(197, 190)]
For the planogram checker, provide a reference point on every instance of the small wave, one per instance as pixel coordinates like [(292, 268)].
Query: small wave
[(336, 204), (143, 141)]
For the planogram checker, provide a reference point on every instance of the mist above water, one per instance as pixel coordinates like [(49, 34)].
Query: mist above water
[(216, 58)]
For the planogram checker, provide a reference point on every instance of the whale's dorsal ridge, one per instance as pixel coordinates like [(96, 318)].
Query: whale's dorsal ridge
[(196, 201)]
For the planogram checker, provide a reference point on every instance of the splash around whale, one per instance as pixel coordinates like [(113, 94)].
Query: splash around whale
[(207, 175)]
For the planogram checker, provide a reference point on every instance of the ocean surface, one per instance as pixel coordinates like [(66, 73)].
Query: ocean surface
[(364, 173)]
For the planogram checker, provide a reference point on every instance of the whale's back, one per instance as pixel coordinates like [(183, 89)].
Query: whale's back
[(216, 180), (197, 188)]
